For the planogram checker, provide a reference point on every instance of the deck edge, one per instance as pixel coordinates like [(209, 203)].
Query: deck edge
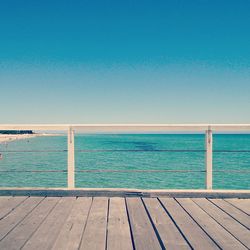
[(115, 192)]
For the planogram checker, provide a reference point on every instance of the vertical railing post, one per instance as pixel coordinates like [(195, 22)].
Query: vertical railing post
[(209, 159), (71, 158)]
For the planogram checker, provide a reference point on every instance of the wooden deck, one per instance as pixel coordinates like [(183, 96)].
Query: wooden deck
[(123, 223)]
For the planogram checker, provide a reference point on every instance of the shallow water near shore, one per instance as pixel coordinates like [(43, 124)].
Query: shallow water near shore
[(155, 161)]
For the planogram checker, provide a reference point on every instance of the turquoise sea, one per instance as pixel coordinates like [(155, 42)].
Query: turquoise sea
[(147, 161)]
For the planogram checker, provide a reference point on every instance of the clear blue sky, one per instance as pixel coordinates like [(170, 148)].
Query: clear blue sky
[(127, 61)]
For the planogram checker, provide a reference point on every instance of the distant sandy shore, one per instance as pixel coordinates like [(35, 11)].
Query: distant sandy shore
[(9, 138)]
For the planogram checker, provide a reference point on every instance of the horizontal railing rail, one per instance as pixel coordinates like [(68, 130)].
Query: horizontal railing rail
[(208, 129), (128, 127)]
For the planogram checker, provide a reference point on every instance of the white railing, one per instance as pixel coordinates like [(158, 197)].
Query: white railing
[(208, 129)]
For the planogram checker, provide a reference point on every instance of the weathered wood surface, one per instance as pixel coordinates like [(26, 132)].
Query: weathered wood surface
[(242, 204), (94, 236), (45, 236), (17, 215), (71, 232), (123, 223), (237, 214), (223, 238), (7, 204), (119, 236), (169, 233), (194, 234), (23, 231), (142, 230), (226, 221)]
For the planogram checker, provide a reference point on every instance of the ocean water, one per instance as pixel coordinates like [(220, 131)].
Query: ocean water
[(146, 161)]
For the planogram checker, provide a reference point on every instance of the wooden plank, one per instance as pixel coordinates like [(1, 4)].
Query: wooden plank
[(45, 236), (17, 215), (223, 238), (170, 235), (94, 236), (193, 233), (118, 227), (22, 232), (230, 224), (8, 203), (242, 204), (71, 233), (142, 230), (237, 214)]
